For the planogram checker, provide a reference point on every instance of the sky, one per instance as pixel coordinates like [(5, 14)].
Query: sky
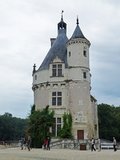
[(26, 27)]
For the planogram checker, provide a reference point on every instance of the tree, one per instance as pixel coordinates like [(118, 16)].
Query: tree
[(39, 124), (109, 121), (66, 131), (11, 128), (32, 108)]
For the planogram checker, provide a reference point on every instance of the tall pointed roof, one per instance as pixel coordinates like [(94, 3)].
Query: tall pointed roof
[(58, 49), (77, 32)]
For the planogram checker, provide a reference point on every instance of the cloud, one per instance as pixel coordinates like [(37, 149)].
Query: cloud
[(25, 29)]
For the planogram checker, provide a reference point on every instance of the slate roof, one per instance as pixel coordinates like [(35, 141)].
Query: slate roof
[(58, 49), (77, 33)]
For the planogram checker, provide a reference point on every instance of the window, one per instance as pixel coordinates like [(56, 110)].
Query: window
[(69, 54), (56, 98), (59, 120), (35, 77), (54, 70), (84, 75), (85, 53), (56, 126), (57, 70)]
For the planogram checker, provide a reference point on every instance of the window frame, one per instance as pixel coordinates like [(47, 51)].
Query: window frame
[(69, 54), (56, 98), (85, 53), (57, 70), (56, 126), (35, 77), (85, 75)]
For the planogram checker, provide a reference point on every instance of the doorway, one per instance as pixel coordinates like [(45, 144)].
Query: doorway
[(80, 134)]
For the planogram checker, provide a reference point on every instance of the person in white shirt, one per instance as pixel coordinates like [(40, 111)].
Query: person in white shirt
[(114, 144)]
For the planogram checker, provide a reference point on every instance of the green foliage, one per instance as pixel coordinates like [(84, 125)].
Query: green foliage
[(32, 108), (39, 124), (65, 132), (11, 128), (109, 121)]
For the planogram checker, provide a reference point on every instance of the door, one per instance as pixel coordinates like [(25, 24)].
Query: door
[(80, 134)]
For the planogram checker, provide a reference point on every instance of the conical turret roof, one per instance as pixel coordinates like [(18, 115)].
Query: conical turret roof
[(77, 32)]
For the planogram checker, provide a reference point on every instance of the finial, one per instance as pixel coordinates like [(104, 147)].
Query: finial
[(34, 68), (77, 20), (62, 15)]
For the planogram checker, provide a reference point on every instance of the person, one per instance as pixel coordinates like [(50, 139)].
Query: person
[(22, 142), (25, 142), (93, 145), (114, 144), (98, 145), (28, 143), (45, 144), (48, 143)]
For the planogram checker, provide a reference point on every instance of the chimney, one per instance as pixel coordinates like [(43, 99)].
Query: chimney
[(52, 41)]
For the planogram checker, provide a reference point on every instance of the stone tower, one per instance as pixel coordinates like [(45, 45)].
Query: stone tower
[(63, 82)]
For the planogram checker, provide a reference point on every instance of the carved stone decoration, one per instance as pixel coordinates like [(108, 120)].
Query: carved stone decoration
[(80, 117)]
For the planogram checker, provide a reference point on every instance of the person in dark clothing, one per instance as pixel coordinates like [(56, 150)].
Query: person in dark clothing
[(48, 143), (29, 143)]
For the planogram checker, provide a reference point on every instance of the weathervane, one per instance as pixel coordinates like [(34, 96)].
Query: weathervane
[(62, 15), (77, 20)]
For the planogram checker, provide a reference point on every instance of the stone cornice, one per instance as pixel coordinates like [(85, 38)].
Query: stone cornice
[(69, 67), (78, 40)]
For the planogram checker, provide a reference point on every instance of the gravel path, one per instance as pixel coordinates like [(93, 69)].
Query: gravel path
[(57, 154)]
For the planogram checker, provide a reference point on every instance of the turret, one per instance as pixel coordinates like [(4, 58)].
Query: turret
[(78, 53), (78, 49)]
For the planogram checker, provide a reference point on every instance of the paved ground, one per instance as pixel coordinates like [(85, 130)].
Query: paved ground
[(57, 154)]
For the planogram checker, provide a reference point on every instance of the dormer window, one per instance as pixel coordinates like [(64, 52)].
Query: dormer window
[(57, 70)]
